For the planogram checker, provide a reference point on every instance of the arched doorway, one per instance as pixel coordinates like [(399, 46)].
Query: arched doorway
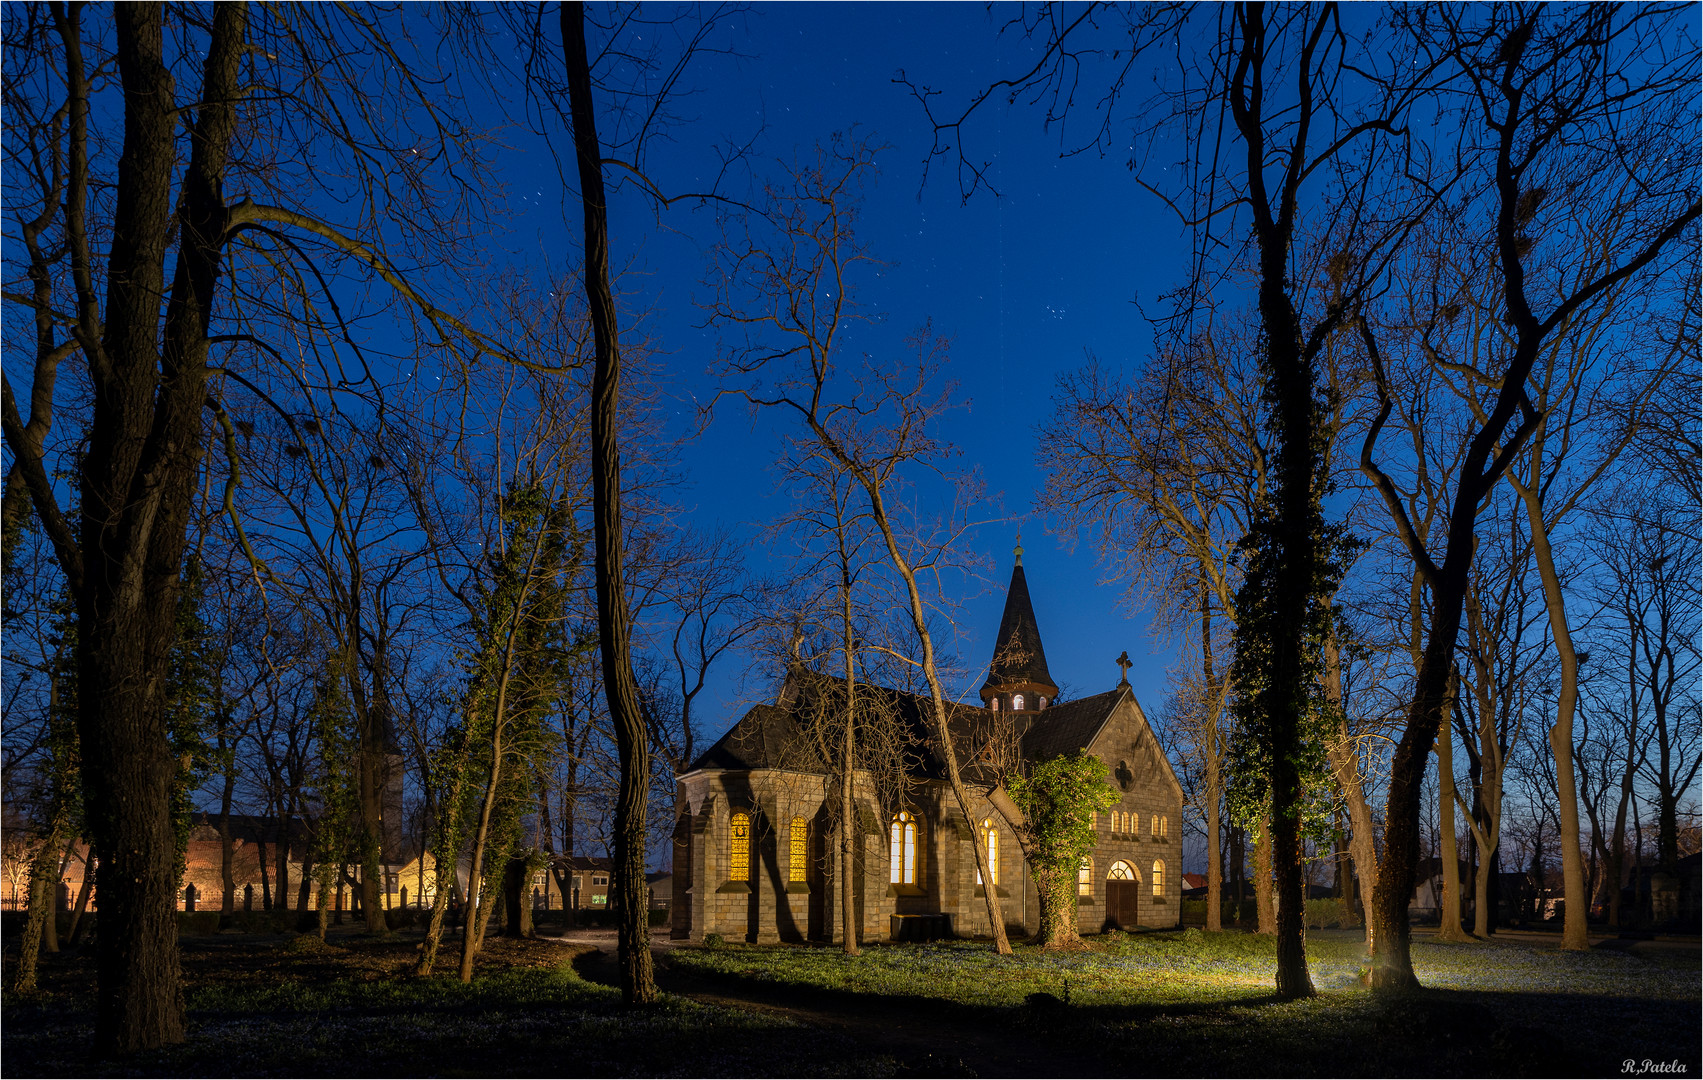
[(1123, 896)]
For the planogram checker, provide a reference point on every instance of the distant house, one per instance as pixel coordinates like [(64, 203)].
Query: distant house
[(1426, 903), (587, 879), (661, 885), (1194, 886)]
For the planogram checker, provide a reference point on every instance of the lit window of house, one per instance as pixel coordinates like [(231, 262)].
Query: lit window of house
[(1121, 871), (1158, 877), (903, 868), (1153, 827), (1017, 702), (799, 849), (739, 848), (1164, 826), (1085, 877)]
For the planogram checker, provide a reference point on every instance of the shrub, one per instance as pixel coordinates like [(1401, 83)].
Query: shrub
[(197, 922)]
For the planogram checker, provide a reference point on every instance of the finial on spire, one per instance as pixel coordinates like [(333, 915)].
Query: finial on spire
[(1123, 668), (1018, 550)]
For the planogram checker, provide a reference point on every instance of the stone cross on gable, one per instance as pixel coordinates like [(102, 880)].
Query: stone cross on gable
[(1123, 668)]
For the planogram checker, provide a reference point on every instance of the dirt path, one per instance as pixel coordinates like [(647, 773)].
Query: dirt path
[(924, 1040)]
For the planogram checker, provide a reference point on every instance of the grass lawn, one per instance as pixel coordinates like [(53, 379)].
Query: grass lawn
[(1149, 1004)]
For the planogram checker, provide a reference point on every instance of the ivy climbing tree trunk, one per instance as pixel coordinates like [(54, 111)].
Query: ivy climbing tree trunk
[(638, 984)]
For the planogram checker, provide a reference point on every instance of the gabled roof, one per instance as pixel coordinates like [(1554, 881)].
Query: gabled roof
[(1018, 656), (760, 740), (772, 736), (1069, 726)]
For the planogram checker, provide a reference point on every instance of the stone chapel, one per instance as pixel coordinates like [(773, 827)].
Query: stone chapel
[(756, 849)]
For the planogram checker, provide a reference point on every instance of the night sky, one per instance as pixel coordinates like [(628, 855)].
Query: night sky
[(1026, 285)]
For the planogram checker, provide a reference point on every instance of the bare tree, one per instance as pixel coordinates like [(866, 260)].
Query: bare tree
[(139, 320), (782, 300), (1535, 125)]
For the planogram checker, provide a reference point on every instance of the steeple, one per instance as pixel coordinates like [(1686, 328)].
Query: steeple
[(1017, 675)]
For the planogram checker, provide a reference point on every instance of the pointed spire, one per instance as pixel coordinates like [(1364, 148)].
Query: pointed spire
[(1019, 663)]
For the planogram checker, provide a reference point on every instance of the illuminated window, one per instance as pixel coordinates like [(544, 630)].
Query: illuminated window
[(1085, 877), (800, 849), (1093, 819), (1164, 826), (990, 837), (994, 704), (1017, 702), (1041, 702), (1158, 878), (1121, 871), (739, 848), (903, 841), (1153, 827)]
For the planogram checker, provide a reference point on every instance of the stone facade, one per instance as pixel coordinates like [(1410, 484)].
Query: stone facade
[(786, 886)]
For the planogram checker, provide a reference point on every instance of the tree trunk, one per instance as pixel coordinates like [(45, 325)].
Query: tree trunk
[(638, 982), (434, 930), (75, 936), (369, 770), (1345, 764), (227, 878), (517, 899), (942, 730), (1449, 929), (1238, 872), (137, 489), (1573, 930), (849, 833), (1214, 830), (478, 904), (1265, 910), (43, 890)]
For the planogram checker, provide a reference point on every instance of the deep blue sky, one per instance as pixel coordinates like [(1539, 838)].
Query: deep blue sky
[(1026, 285)]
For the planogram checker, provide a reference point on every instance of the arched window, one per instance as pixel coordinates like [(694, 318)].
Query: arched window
[(1121, 871), (739, 848), (800, 850), (1153, 827), (1158, 877), (1164, 826), (1017, 702), (1041, 702), (1085, 877), (903, 868), (990, 837), (993, 703)]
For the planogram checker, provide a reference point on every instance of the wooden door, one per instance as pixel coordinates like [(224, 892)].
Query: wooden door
[(1121, 900)]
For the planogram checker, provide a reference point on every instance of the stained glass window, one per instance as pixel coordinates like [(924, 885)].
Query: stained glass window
[(800, 855), (739, 848)]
